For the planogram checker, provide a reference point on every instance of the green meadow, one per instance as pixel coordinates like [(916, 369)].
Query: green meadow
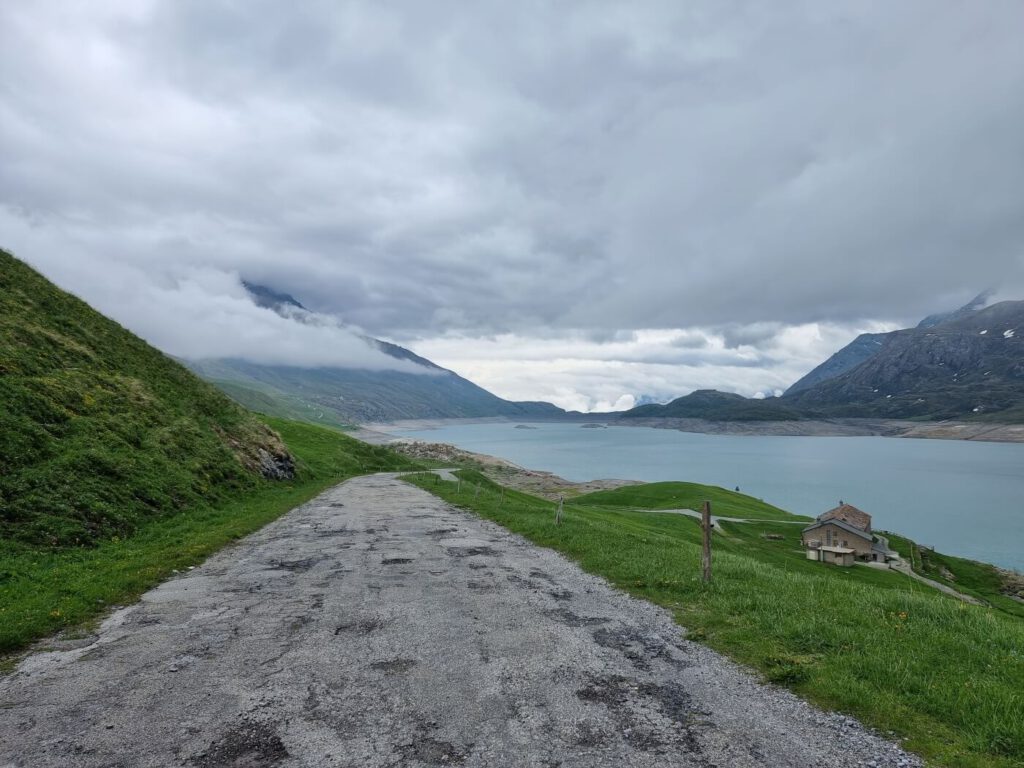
[(946, 676)]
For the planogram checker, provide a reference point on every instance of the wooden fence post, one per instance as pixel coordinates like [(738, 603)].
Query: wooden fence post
[(705, 559), (476, 492), (558, 514)]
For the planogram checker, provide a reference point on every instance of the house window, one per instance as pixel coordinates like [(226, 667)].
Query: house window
[(844, 542)]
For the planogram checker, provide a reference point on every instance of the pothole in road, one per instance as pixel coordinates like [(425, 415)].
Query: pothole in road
[(632, 702), (636, 646), (567, 617), (295, 566), (250, 745), (435, 752), (361, 626), (471, 551), (394, 666), (439, 532)]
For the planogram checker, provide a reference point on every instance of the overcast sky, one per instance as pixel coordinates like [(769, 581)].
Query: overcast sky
[(580, 202)]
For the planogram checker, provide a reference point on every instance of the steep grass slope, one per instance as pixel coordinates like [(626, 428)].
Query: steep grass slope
[(101, 431)]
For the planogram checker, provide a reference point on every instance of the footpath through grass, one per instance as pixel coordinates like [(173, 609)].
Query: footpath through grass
[(676, 495), (946, 676), (46, 590)]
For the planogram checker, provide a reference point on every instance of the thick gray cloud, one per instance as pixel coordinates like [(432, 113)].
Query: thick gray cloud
[(573, 170)]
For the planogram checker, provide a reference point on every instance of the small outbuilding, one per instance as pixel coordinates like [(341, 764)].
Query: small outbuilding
[(843, 556)]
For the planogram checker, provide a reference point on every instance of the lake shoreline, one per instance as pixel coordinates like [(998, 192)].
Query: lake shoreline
[(957, 495), (933, 430)]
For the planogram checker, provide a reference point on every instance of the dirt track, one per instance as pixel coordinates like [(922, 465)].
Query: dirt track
[(377, 626)]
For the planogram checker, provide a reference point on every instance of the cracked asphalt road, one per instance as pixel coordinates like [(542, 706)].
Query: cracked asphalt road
[(378, 626)]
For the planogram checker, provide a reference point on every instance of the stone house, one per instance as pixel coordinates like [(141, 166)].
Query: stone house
[(843, 534)]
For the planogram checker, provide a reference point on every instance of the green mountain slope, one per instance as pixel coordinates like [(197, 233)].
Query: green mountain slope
[(716, 406), (101, 431), (345, 396)]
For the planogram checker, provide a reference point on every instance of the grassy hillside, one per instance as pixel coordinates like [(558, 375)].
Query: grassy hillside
[(902, 657), (43, 590), (101, 431), (674, 495), (356, 396)]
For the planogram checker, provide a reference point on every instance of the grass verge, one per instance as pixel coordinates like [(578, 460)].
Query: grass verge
[(43, 591), (946, 676)]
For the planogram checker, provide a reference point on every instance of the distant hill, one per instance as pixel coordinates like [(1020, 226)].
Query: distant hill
[(344, 396), (100, 431), (713, 405)]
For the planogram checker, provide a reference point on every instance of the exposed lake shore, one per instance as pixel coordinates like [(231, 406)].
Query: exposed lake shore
[(935, 430)]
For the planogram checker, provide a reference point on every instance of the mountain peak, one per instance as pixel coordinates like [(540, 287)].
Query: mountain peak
[(271, 299), (978, 302)]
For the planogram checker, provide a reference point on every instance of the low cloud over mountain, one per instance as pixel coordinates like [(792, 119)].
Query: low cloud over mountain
[(444, 175)]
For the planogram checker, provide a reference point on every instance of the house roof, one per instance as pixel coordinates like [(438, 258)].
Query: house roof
[(849, 514), (840, 524)]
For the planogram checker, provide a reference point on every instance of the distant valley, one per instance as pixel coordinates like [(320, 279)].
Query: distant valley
[(967, 364)]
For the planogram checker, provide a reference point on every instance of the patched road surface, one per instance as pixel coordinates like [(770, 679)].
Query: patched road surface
[(378, 626)]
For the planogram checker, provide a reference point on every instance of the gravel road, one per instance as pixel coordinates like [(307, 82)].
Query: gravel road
[(378, 626)]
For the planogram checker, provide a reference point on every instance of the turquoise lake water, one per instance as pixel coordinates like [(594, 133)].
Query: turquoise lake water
[(963, 498)]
